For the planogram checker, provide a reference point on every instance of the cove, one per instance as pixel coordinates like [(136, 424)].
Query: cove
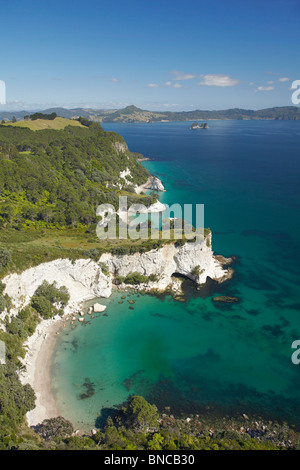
[(199, 355)]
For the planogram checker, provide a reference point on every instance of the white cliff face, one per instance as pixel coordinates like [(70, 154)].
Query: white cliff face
[(120, 147), (83, 279), (124, 174), (167, 261), (155, 184)]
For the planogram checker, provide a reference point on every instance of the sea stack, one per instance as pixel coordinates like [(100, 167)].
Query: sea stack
[(155, 184)]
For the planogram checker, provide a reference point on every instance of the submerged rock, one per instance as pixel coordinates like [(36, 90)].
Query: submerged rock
[(226, 298)]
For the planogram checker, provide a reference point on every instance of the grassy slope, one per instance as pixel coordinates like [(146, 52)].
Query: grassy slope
[(39, 124), (34, 246)]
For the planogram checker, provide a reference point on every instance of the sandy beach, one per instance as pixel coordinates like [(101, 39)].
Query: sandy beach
[(38, 369), (143, 187)]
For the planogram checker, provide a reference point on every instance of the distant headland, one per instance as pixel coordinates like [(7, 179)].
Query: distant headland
[(134, 114)]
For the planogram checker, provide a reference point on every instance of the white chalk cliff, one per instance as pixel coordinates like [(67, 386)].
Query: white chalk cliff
[(85, 279), (169, 260), (155, 184)]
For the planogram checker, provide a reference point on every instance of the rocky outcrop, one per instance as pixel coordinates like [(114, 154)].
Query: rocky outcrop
[(195, 125), (193, 260), (120, 147), (99, 308), (155, 184)]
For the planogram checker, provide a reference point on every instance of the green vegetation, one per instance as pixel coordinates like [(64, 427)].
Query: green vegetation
[(48, 300), (104, 268), (51, 182), (197, 271), (139, 415), (55, 179), (137, 278), (139, 426), (15, 401), (55, 428), (35, 116)]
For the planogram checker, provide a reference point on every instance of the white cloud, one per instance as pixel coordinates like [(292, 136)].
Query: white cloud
[(153, 85), (251, 83), (273, 73), (284, 79), (182, 76), (174, 85), (115, 80), (265, 88), (218, 80), (270, 82)]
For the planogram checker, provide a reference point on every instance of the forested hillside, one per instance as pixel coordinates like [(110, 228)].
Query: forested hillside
[(57, 178)]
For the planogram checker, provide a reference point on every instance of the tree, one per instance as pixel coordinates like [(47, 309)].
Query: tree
[(42, 305), (55, 427), (140, 415)]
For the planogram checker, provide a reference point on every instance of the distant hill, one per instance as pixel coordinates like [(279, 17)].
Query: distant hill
[(134, 114), (39, 124)]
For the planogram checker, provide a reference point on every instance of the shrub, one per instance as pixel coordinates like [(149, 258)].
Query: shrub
[(135, 278), (30, 319), (196, 271), (55, 427), (119, 280), (104, 268), (53, 293), (180, 242), (42, 305), (5, 257), (16, 327), (5, 302), (93, 253)]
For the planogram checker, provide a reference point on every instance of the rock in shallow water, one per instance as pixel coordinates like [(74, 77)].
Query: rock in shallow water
[(99, 308)]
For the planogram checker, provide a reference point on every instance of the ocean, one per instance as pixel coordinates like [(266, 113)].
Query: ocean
[(198, 356)]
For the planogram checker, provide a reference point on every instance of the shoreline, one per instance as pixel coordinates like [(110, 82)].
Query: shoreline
[(40, 346), (38, 363), (143, 187)]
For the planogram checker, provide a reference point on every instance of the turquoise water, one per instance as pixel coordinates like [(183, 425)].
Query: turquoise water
[(197, 353)]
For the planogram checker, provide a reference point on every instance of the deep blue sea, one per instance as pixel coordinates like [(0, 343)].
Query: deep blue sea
[(197, 354)]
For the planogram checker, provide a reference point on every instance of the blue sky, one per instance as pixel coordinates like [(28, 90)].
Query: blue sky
[(159, 55)]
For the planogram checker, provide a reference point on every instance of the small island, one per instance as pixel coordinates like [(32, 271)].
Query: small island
[(195, 125)]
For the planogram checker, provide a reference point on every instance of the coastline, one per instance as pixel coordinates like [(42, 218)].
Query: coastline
[(38, 363), (143, 187), (83, 286)]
